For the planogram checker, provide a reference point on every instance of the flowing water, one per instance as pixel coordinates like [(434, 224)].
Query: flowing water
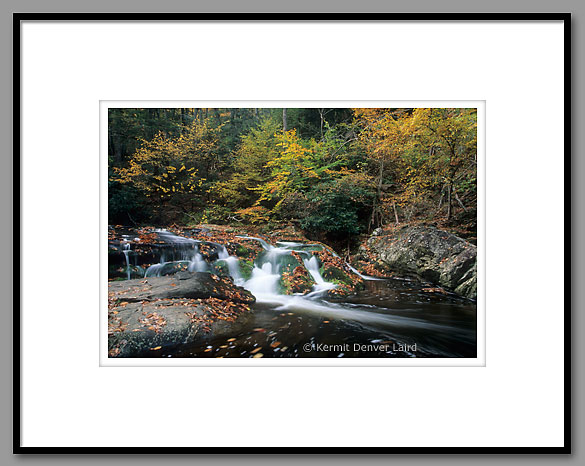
[(390, 318)]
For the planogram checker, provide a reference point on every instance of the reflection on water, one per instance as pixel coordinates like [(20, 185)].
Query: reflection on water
[(391, 318)]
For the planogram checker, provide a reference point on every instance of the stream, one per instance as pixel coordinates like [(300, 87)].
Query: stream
[(394, 317)]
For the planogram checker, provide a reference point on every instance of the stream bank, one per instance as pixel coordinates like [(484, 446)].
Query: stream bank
[(198, 293)]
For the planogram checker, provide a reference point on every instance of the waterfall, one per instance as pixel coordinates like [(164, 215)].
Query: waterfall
[(365, 277), (184, 252), (180, 252), (233, 264), (263, 282), (126, 251), (197, 263), (264, 244), (321, 285)]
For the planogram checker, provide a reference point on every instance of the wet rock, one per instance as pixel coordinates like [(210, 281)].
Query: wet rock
[(170, 311), (195, 285), (140, 329), (297, 281), (246, 267), (435, 255), (334, 269)]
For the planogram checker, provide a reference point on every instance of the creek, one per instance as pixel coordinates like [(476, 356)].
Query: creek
[(393, 317)]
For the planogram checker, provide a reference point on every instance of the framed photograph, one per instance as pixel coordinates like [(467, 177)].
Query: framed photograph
[(359, 203)]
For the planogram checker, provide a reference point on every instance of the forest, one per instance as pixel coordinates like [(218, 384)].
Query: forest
[(335, 173), (267, 232)]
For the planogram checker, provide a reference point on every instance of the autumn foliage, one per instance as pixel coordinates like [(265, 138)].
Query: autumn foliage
[(335, 173)]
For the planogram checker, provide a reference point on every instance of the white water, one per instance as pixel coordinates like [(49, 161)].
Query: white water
[(198, 264), (188, 250), (266, 274), (365, 277), (126, 251), (264, 244), (321, 285), (233, 264), (263, 283)]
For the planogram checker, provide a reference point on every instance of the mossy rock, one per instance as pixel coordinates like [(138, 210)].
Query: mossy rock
[(289, 263), (246, 267), (242, 251), (335, 275), (297, 281), (221, 268)]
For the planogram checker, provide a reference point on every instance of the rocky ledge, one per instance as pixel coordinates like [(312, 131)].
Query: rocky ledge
[(432, 254), (158, 313)]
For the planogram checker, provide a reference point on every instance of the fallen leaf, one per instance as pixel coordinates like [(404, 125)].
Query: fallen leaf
[(232, 339), (259, 355), (156, 348), (274, 344), (256, 350)]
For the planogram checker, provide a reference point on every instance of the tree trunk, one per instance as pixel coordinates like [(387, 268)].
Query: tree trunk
[(459, 201), (449, 189), (284, 123), (395, 213)]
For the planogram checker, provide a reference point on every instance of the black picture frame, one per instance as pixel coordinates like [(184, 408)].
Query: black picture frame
[(350, 17)]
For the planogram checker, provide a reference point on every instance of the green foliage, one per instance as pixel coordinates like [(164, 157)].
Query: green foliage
[(339, 208), (171, 173), (126, 204), (335, 172), (256, 149)]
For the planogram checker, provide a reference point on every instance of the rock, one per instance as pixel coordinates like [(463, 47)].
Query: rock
[(165, 312), (137, 328), (334, 269), (242, 251), (297, 281), (435, 255), (195, 285), (246, 267)]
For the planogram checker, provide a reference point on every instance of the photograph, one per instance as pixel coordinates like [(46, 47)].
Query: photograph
[(292, 232)]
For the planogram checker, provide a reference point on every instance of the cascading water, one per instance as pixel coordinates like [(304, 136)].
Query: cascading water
[(180, 253), (233, 264), (263, 283), (197, 263), (126, 251), (264, 244), (183, 252), (365, 277), (321, 285), (285, 324)]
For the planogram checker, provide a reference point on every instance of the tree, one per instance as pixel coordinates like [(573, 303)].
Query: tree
[(419, 154), (171, 173)]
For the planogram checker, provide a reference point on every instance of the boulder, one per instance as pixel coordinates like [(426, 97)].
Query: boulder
[(160, 313), (140, 329), (435, 255), (195, 285)]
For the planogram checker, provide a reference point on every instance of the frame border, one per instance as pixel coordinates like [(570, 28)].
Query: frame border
[(297, 17)]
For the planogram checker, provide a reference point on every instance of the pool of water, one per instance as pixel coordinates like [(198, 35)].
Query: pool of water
[(393, 318)]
